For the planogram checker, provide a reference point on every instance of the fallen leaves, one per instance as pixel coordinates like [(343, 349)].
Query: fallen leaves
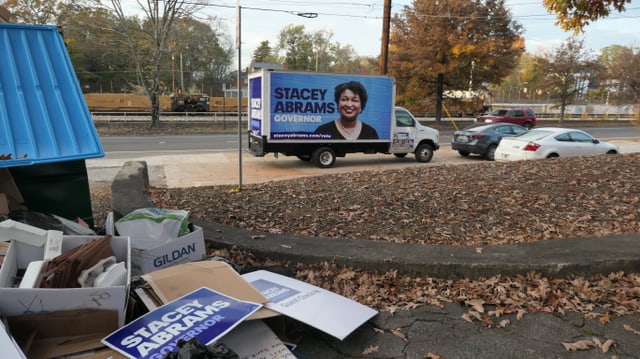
[(564, 198), (488, 300), (370, 350), (476, 304), (433, 356), (579, 345), (587, 344), (398, 333), (629, 328)]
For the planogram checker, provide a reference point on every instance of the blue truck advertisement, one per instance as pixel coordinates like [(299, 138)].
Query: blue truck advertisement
[(310, 106), (318, 117)]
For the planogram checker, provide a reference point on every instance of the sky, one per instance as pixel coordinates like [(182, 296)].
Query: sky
[(359, 23)]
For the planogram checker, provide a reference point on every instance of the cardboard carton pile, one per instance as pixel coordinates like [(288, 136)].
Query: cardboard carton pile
[(124, 296)]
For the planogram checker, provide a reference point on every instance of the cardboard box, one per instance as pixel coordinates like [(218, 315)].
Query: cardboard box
[(171, 283), (184, 249), (56, 334), (16, 301)]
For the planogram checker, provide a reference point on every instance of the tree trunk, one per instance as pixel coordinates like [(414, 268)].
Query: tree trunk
[(155, 109), (563, 107), (155, 99)]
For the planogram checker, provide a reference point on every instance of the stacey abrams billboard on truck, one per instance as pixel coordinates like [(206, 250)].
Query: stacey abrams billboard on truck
[(323, 107)]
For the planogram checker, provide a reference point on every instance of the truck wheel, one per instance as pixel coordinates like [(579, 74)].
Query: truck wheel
[(324, 157), (424, 153)]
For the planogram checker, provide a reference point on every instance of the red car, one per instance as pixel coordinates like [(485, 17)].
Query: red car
[(524, 117)]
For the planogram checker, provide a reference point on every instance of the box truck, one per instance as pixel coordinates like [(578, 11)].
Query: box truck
[(319, 116)]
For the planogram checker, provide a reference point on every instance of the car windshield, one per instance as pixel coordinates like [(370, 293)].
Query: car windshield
[(534, 134), (498, 112)]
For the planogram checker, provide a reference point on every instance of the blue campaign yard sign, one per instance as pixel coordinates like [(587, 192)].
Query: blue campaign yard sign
[(301, 102), (203, 314)]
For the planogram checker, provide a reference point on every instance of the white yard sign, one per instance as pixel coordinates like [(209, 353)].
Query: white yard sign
[(327, 311)]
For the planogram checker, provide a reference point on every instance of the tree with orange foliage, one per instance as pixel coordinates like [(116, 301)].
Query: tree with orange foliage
[(439, 45), (574, 15)]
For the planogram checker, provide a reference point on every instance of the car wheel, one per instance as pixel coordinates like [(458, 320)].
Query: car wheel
[(553, 155), (528, 125), (612, 152), (400, 155), (464, 153), (424, 153), (490, 153), (324, 157)]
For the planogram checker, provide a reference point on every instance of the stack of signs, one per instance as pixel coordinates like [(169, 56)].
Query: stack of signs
[(203, 314), (324, 310)]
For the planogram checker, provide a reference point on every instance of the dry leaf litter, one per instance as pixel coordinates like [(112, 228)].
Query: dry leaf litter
[(480, 204)]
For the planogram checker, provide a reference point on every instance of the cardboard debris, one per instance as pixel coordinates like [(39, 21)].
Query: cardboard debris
[(303, 301), (16, 301), (261, 294), (263, 343), (171, 283), (54, 334)]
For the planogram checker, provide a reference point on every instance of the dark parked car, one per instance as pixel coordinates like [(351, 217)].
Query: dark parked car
[(524, 117), (483, 139)]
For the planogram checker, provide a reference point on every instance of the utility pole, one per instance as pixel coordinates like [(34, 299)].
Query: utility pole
[(384, 51), (239, 91)]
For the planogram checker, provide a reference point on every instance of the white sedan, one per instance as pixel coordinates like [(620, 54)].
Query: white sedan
[(548, 142)]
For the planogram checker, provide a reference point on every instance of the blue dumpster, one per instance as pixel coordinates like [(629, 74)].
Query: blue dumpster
[(46, 129)]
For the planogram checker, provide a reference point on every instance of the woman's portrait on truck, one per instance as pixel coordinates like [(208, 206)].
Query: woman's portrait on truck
[(351, 98)]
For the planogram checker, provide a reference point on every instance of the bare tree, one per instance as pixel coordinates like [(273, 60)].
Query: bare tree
[(622, 82), (569, 70), (148, 43)]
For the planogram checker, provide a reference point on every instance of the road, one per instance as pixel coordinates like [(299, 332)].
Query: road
[(123, 146), (194, 160)]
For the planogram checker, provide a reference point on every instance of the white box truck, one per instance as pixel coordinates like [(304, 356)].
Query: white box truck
[(318, 117)]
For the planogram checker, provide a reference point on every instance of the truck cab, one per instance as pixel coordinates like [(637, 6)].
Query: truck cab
[(409, 135)]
